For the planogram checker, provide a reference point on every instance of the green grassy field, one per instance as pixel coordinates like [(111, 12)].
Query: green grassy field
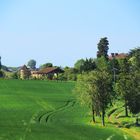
[(42, 110)]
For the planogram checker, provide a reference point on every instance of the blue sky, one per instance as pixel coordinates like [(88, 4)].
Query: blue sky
[(63, 31)]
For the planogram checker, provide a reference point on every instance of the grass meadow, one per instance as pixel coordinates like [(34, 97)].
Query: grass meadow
[(47, 110)]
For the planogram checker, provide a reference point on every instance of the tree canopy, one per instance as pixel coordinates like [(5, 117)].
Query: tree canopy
[(95, 89), (46, 65), (86, 65), (32, 64)]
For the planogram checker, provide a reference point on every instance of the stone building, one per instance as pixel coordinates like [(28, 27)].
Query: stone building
[(49, 73), (25, 72)]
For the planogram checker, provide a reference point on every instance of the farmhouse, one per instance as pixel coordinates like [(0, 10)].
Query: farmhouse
[(118, 56), (49, 72), (24, 72)]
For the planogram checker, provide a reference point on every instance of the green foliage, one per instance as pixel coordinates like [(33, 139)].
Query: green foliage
[(32, 64), (82, 89), (62, 77), (103, 48), (2, 74), (4, 68), (79, 65), (95, 89), (86, 65), (122, 86), (15, 75), (102, 64), (46, 65), (134, 56), (134, 97), (70, 74), (114, 64), (89, 65), (124, 66), (13, 68), (128, 87)]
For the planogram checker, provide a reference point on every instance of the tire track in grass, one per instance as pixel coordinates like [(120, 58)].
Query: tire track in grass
[(68, 104), (32, 120), (39, 119), (44, 118), (28, 128)]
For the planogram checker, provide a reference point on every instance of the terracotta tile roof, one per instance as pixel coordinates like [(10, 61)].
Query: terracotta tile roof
[(49, 70), (118, 56)]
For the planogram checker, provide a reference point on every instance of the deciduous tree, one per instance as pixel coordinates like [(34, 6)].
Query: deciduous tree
[(46, 65), (95, 89), (32, 64)]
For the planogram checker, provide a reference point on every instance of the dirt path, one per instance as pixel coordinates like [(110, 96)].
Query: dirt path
[(128, 131)]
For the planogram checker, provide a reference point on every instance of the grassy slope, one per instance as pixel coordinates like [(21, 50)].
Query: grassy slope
[(127, 124), (41, 110)]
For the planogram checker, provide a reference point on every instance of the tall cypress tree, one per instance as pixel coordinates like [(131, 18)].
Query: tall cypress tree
[(103, 48)]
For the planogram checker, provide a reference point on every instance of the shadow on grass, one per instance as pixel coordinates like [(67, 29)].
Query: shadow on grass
[(124, 124), (122, 116)]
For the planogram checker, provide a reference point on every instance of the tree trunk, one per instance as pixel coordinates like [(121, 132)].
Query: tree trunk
[(103, 118), (126, 110), (137, 121), (93, 114)]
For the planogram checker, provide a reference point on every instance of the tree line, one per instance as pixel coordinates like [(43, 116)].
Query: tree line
[(109, 81)]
